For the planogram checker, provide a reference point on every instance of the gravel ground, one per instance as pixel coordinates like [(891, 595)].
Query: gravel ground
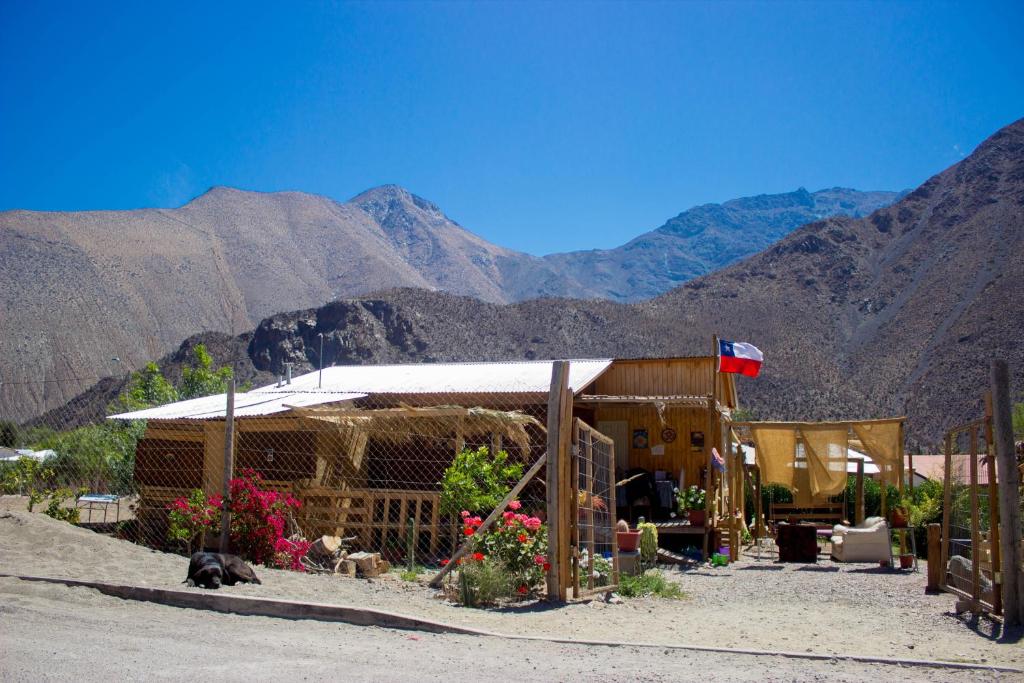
[(91, 636), (827, 608)]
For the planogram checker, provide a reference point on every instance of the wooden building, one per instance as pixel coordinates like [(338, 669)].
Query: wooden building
[(310, 436)]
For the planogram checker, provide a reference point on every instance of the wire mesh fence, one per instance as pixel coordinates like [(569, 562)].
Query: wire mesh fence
[(970, 538), (595, 558), (408, 477)]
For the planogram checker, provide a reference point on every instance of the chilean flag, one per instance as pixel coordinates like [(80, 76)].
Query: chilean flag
[(739, 357)]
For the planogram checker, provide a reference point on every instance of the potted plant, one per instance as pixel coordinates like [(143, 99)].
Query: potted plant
[(627, 540), (691, 501), (906, 561)]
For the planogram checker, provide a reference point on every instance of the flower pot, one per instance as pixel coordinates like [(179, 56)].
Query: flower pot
[(898, 518), (627, 540), (906, 561), (698, 517)]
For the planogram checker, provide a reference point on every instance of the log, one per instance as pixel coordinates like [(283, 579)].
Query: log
[(345, 567), (369, 565)]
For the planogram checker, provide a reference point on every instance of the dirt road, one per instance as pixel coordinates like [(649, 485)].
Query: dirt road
[(51, 632)]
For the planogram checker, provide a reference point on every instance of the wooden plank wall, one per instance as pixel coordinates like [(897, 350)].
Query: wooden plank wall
[(678, 453), (663, 377)]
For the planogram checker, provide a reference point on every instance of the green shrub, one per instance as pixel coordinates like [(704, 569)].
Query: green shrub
[(56, 508), (652, 582), (484, 582), (98, 457), (476, 481)]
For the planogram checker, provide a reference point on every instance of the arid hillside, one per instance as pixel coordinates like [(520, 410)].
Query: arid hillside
[(78, 289)]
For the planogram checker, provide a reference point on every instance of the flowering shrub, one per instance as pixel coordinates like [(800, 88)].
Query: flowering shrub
[(190, 518), (258, 517), (690, 498), (258, 521), (515, 547), (288, 554)]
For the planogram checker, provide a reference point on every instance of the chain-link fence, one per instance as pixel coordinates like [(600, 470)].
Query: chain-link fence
[(970, 524), (406, 477)]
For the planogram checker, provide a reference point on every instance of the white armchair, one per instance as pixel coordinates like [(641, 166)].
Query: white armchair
[(866, 542)]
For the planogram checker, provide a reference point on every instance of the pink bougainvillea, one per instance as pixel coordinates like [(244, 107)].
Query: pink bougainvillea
[(259, 520)]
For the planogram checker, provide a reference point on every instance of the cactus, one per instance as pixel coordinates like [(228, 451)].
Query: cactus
[(648, 542)]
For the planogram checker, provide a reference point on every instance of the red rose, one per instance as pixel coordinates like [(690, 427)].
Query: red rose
[(468, 531), (523, 538), (478, 556), (523, 590), (547, 566), (444, 563)]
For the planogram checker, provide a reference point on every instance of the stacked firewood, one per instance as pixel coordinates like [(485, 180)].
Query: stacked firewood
[(330, 555)]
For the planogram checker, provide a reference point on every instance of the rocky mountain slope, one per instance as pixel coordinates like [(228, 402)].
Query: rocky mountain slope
[(78, 289), (896, 313), (704, 239)]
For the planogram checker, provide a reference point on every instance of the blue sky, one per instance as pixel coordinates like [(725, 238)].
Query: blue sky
[(543, 127)]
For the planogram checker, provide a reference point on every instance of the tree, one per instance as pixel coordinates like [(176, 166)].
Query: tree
[(9, 434), (146, 388), (202, 379)]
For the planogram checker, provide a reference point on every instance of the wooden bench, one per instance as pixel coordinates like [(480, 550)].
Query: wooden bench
[(823, 515)]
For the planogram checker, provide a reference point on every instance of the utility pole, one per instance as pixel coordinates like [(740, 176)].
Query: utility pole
[(320, 379)]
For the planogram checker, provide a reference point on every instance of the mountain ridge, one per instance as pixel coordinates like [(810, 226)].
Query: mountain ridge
[(79, 288)]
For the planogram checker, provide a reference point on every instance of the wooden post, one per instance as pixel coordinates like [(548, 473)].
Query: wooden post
[(995, 555), (910, 470), (975, 531), (229, 467), (759, 502), (1009, 496), (899, 489), (566, 489), (934, 559), (556, 455), (947, 505), (710, 492), (612, 502), (858, 505), (588, 453)]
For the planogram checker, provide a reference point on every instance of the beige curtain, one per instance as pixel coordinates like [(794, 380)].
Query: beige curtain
[(776, 452), (881, 440), (825, 449)]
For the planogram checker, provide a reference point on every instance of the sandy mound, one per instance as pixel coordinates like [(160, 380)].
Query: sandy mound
[(852, 609)]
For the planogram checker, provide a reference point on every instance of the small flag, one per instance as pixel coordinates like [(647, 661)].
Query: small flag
[(739, 357)]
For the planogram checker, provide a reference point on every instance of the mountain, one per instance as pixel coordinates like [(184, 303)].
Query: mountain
[(896, 313), (704, 239), (78, 289)]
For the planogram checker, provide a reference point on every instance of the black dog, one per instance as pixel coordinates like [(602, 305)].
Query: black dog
[(211, 570)]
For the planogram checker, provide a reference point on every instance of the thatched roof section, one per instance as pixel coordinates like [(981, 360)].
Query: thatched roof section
[(401, 424)]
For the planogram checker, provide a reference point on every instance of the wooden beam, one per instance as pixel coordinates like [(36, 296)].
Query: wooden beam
[(1009, 495), (555, 456), (993, 510), (229, 467), (934, 559), (975, 523), (858, 509), (947, 504)]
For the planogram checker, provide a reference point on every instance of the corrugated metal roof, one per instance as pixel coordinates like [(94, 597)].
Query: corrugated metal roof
[(349, 382), (513, 377), (249, 404)]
